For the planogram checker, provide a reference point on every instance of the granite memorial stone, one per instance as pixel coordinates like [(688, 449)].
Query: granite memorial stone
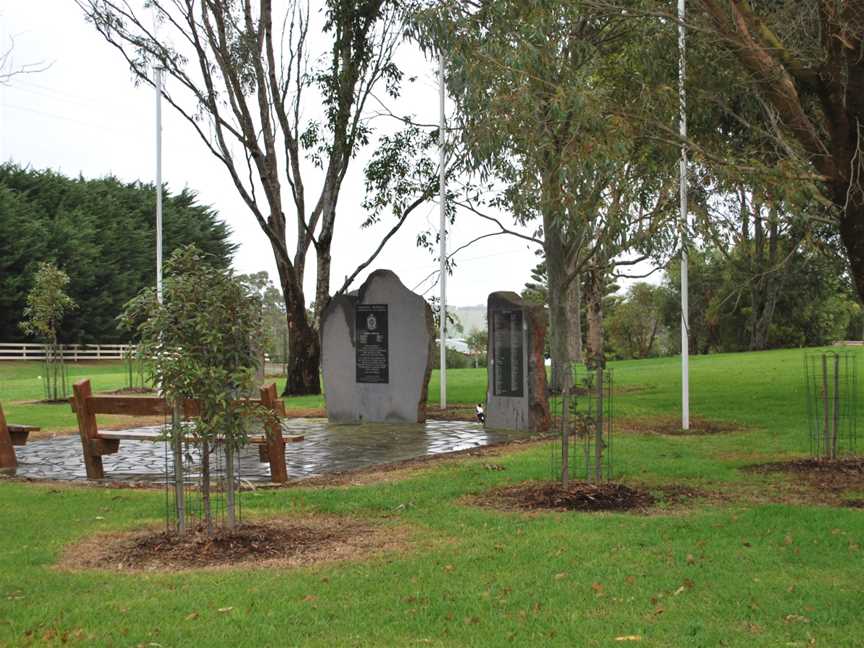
[(376, 353), (516, 397)]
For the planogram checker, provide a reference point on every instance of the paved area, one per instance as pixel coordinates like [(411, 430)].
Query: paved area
[(326, 449)]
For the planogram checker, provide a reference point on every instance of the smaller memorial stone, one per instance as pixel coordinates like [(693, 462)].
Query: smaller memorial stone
[(516, 396), (376, 353)]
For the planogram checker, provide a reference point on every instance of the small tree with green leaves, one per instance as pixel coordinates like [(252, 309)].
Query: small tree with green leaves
[(200, 344), (47, 304)]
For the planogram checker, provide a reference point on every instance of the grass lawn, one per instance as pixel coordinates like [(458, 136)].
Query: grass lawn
[(750, 568)]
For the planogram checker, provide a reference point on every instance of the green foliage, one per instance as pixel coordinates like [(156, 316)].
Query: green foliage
[(275, 323), (815, 306), (47, 303), (455, 359), (103, 233), (200, 342), (636, 324)]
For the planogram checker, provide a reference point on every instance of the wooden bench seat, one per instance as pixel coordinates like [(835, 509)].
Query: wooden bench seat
[(97, 443), (10, 436)]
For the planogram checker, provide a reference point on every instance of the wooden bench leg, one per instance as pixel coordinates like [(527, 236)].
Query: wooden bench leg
[(8, 460), (87, 429), (273, 433)]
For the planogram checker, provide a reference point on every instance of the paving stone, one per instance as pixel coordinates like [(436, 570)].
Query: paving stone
[(326, 449)]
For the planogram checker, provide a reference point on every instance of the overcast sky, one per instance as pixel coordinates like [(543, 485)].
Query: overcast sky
[(85, 116)]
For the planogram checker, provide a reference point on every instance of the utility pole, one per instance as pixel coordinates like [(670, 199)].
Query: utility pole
[(442, 236), (685, 225), (158, 83)]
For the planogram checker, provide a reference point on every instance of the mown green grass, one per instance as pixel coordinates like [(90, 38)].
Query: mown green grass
[(732, 574)]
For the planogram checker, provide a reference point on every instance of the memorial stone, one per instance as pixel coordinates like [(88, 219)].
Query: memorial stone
[(516, 397), (376, 353)]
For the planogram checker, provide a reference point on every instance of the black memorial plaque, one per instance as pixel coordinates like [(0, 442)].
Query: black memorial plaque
[(372, 358), (507, 343)]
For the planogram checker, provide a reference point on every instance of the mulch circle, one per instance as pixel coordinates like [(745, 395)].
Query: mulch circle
[(825, 476), (671, 426), (277, 543), (126, 391), (852, 466), (579, 496), (199, 549)]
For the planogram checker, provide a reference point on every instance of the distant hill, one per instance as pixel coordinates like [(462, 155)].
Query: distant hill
[(472, 317)]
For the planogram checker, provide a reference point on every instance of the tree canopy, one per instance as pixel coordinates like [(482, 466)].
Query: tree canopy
[(101, 233)]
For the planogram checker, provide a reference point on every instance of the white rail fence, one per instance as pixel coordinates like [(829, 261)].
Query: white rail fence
[(71, 352)]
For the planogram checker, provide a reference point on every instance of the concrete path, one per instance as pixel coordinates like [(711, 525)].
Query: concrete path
[(326, 449)]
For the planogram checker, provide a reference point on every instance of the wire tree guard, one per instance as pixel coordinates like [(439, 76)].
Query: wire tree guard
[(832, 402), (187, 495), (586, 413)]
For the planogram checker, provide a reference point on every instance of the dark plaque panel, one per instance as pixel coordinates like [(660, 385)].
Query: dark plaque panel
[(507, 342), (372, 344)]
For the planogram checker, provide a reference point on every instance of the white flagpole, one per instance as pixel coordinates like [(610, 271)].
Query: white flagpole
[(685, 319), (442, 238), (158, 83)]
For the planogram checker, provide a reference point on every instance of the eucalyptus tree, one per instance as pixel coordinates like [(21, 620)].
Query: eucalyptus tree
[(540, 116), (246, 77), (801, 62), (806, 61)]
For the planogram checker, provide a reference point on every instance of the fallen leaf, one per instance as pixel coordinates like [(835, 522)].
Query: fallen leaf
[(225, 609), (310, 597), (597, 587), (449, 568), (192, 617), (629, 638), (630, 580), (560, 575), (796, 618), (690, 559)]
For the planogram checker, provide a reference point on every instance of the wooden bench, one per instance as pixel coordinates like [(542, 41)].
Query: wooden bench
[(11, 436), (96, 443)]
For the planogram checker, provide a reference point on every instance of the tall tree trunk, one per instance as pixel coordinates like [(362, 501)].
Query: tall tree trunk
[(302, 367), (556, 274), (574, 317), (852, 234), (556, 278), (594, 355)]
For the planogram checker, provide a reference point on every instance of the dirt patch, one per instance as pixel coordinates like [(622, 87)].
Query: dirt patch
[(830, 478), (279, 543), (578, 496), (671, 426)]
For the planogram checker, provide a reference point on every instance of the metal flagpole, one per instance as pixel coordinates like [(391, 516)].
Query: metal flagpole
[(685, 319), (158, 83), (442, 238)]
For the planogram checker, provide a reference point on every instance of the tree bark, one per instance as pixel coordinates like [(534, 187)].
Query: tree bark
[(594, 355), (574, 317), (556, 275), (304, 359), (852, 234)]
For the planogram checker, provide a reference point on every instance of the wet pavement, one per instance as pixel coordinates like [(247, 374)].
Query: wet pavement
[(326, 449)]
